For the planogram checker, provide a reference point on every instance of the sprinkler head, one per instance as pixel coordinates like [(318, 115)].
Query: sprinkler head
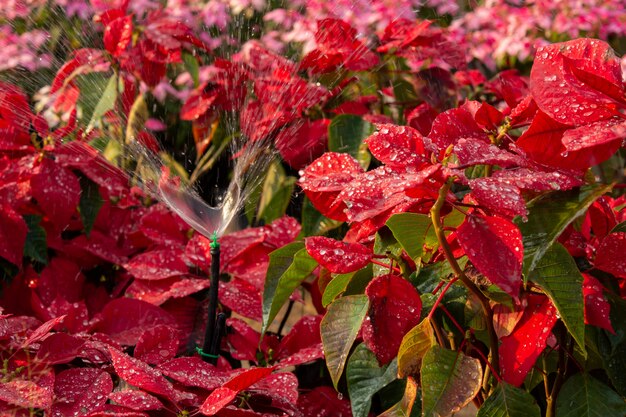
[(214, 243)]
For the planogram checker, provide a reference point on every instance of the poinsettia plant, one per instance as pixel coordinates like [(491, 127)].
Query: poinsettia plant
[(450, 236)]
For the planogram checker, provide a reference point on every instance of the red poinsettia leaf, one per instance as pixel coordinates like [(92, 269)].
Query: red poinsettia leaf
[(12, 224), (198, 251), (510, 86), (519, 351), (80, 391), (242, 339), (282, 386), (141, 375), (473, 151), (163, 227), (325, 178), (59, 348), (577, 82), (194, 372), (42, 331), (157, 345), (452, 125), (498, 196), (483, 236), (488, 116), (611, 254), (136, 400), (324, 402), (57, 191), (524, 112), (397, 146), (25, 394), (200, 101), (421, 118), (223, 396), (601, 216), (394, 308), (125, 319), (304, 334), (241, 297), (597, 308), (336, 256), (300, 144), (535, 180), (117, 35), (157, 264), (158, 292), (63, 278)]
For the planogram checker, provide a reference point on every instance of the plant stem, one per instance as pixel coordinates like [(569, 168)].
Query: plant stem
[(438, 301), (435, 214)]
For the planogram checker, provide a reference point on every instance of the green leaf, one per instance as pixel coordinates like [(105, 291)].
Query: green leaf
[(346, 133), (92, 87), (315, 223), (413, 232), (621, 227), (550, 215), (275, 194), (509, 401), (612, 347), (365, 377), (36, 246), (339, 329), (557, 274), (413, 347), (105, 103), (404, 91), (191, 65), (449, 381), (404, 407), (584, 396), (90, 203), (289, 266), (335, 287)]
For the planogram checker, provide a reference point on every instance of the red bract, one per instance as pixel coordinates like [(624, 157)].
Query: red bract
[(421, 118), (136, 400), (59, 348), (56, 190), (194, 372), (452, 125), (117, 35), (12, 224), (15, 116), (519, 351), (611, 254), (125, 319), (324, 402), (157, 264), (394, 309), (472, 151), (337, 46), (241, 297), (397, 146), (300, 144), (80, 391), (338, 257), (597, 308), (483, 236), (157, 345), (577, 82), (325, 178), (223, 396)]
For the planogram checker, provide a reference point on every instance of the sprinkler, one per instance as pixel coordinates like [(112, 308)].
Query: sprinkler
[(215, 323)]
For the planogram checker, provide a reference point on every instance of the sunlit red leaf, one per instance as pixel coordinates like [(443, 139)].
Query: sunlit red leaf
[(117, 35), (394, 309), (303, 143), (611, 254), (241, 297), (597, 308), (325, 178), (483, 236), (304, 334), (26, 394), (452, 125), (397, 146), (577, 82), (473, 151), (136, 400), (519, 351), (336, 256), (223, 396), (60, 348), (80, 391), (501, 198), (282, 386), (421, 118), (42, 331)]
